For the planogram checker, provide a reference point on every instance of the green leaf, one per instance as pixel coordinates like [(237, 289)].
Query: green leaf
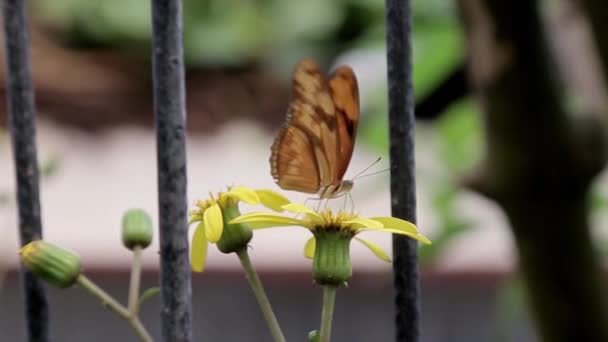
[(148, 293), (460, 136), (444, 198), (438, 49), (314, 336)]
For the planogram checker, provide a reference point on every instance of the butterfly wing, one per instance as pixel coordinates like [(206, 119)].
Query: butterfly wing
[(293, 162), (345, 94), (304, 154), (314, 148)]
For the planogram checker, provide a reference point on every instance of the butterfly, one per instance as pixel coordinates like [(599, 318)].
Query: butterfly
[(313, 149)]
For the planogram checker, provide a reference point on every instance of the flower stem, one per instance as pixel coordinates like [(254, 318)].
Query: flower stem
[(135, 282), (329, 299), (110, 302), (260, 295)]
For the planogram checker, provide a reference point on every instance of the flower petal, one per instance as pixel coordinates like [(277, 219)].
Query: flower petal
[(272, 199), (244, 194), (195, 218), (376, 249), (198, 250), (414, 236), (264, 220), (361, 222), (396, 223), (265, 224), (214, 223), (309, 248), (302, 209)]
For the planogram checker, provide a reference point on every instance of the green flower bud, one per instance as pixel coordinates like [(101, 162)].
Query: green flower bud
[(235, 237), (54, 264), (331, 264), (136, 229), (314, 336)]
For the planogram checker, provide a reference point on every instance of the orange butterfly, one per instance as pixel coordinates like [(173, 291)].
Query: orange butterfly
[(314, 147)]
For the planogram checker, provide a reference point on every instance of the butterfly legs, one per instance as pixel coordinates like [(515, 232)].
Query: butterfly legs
[(347, 196), (319, 202), (352, 202)]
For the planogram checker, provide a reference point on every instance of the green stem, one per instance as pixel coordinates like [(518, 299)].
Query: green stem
[(260, 295), (105, 298), (110, 302), (135, 282), (329, 299)]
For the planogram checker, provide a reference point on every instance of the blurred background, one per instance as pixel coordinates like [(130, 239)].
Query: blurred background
[(92, 72)]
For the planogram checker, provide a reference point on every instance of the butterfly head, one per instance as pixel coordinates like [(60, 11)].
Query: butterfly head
[(346, 186)]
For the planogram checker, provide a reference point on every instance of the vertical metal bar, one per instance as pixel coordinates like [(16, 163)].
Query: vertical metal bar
[(403, 186), (22, 122), (170, 114)]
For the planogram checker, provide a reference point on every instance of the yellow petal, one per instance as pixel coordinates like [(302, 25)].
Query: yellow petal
[(244, 194), (265, 224), (309, 248), (376, 249), (302, 209), (414, 236), (195, 218), (198, 250), (263, 220), (396, 223), (361, 222), (272, 199), (214, 223)]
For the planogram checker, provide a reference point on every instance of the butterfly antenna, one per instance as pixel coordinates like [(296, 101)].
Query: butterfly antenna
[(367, 168), (371, 174)]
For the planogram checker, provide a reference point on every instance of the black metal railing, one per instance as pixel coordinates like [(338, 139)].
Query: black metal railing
[(403, 185), (170, 114), (22, 123)]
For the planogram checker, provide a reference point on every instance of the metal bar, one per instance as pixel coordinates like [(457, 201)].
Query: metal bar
[(403, 185), (170, 114), (22, 123)]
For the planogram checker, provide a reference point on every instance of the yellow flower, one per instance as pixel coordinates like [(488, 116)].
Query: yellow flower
[(214, 214), (334, 232)]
